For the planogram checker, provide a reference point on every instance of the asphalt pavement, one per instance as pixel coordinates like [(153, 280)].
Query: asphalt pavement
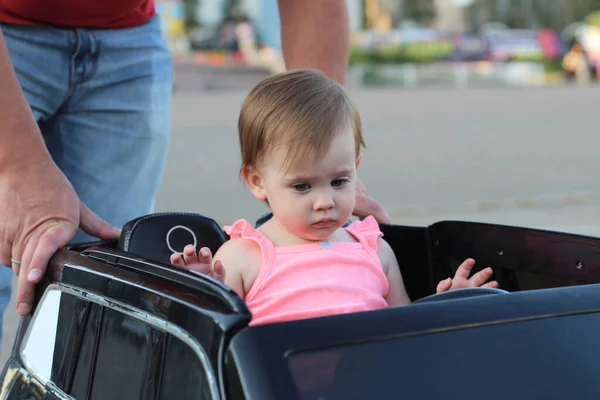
[(515, 156)]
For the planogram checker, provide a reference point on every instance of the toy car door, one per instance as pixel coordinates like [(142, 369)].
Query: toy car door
[(113, 326)]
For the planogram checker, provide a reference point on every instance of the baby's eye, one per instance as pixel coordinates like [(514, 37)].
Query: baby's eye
[(338, 182), (301, 187)]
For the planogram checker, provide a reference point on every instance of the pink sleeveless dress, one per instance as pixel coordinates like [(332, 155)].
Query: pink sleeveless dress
[(315, 279)]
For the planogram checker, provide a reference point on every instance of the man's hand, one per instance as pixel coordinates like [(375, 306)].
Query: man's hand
[(461, 278), (366, 206), (40, 212)]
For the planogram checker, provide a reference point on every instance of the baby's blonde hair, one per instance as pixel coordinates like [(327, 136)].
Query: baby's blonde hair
[(301, 109)]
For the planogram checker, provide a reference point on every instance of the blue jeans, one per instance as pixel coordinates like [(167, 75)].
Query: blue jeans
[(102, 99)]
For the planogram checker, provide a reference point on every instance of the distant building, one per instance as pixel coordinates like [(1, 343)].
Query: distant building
[(450, 15), (265, 15)]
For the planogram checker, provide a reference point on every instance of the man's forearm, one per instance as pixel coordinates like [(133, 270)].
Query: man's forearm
[(316, 34), (19, 134)]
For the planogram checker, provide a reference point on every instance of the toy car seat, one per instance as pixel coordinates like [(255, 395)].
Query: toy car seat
[(157, 236)]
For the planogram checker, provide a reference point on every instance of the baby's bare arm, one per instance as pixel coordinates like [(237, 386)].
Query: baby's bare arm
[(239, 257), (397, 295), (226, 265)]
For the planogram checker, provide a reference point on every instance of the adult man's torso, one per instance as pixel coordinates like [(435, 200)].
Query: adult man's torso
[(98, 14)]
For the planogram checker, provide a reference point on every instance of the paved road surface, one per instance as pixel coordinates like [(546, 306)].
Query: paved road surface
[(513, 156)]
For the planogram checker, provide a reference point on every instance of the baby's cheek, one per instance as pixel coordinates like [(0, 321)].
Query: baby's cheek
[(347, 205)]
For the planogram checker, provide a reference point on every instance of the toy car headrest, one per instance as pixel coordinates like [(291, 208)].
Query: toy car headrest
[(157, 236)]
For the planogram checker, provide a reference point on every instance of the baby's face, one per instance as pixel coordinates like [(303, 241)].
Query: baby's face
[(316, 197)]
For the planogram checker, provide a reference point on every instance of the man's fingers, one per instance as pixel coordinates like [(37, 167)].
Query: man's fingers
[(93, 225), (50, 241), (25, 289), (465, 268), (366, 206), (25, 295), (34, 263), (15, 266), (381, 215)]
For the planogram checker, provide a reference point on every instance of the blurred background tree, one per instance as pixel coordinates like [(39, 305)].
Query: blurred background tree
[(524, 14), (190, 14)]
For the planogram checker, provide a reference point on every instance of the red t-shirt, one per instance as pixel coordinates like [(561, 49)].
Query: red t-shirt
[(77, 13)]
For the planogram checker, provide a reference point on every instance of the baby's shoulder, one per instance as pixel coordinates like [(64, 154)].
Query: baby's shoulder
[(240, 251), (241, 257), (385, 253)]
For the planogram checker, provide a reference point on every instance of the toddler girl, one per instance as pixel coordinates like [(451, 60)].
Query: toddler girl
[(300, 139)]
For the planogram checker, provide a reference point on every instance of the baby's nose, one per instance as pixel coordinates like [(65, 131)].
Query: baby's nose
[(324, 202)]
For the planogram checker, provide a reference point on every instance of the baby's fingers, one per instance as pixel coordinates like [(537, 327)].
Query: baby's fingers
[(464, 270), (189, 254), (492, 284), (205, 256), (203, 263), (177, 259), (444, 285), (481, 277), (219, 271)]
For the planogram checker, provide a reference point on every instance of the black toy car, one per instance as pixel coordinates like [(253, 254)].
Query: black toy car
[(115, 320)]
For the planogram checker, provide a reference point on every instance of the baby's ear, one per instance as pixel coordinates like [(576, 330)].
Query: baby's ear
[(254, 181), (358, 160)]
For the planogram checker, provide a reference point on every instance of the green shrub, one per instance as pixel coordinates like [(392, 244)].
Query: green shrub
[(426, 53), (418, 53)]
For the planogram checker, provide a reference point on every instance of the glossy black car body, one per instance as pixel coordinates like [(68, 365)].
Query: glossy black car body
[(129, 325)]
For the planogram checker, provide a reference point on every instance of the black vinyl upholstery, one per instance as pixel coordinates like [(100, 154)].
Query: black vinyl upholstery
[(157, 236)]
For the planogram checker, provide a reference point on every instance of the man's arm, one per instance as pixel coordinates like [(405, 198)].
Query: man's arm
[(316, 34), (19, 133), (39, 210)]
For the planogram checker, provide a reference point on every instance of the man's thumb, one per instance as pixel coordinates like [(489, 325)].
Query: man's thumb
[(93, 225)]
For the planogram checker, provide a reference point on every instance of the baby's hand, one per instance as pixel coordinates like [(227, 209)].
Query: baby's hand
[(461, 278), (200, 262)]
